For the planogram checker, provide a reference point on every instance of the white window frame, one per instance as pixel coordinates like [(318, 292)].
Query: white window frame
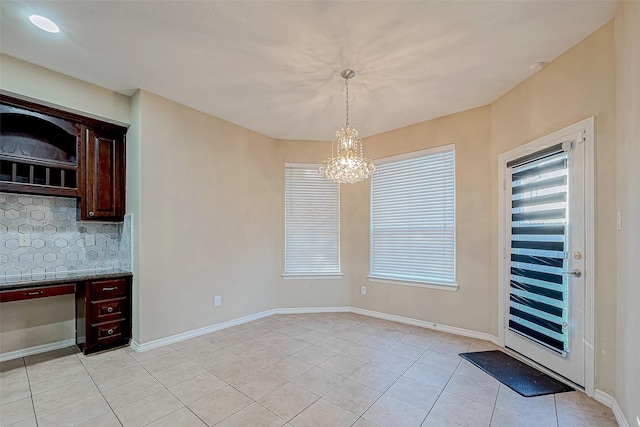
[(296, 273), (434, 284)]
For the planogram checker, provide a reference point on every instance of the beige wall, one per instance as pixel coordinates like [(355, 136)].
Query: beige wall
[(627, 34), (578, 84), (471, 306), (25, 324), (208, 222), (299, 293), (31, 82)]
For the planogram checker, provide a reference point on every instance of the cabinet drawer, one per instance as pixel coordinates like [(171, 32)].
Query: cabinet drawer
[(104, 333), (37, 292), (105, 289), (108, 309)]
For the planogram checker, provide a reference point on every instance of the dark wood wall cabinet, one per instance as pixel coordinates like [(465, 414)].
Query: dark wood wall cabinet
[(104, 195), (103, 314), (52, 152)]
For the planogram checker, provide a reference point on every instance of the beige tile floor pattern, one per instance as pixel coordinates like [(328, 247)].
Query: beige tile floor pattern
[(329, 369)]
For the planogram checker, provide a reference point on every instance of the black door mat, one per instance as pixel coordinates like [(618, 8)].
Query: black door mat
[(516, 375)]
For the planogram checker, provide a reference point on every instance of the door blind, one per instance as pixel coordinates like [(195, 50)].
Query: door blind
[(312, 222), (538, 290), (413, 219)]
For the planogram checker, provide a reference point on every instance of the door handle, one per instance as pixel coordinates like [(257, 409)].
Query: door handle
[(575, 273)]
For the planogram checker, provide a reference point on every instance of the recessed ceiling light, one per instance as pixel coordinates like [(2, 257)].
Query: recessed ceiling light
[(45, 24), (537, 66)]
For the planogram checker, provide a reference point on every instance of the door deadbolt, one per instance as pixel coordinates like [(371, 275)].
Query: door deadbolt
[(577, 255)]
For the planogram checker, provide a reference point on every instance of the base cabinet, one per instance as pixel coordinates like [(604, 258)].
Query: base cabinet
[(103, 314)]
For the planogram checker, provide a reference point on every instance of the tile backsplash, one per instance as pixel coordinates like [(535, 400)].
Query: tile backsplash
[(58, 242)]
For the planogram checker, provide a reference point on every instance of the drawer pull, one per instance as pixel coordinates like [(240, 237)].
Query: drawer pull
[(111, 288), (91, 213), (109, 310), (110, 331), (34, 293)]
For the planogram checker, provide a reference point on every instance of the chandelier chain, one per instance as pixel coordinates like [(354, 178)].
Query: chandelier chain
[(346, 84)]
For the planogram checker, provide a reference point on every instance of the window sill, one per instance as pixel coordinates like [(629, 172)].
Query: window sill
[(333, 276), (440, 286)]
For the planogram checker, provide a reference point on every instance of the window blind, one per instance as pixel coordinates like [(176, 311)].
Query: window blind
[(413, 225), (312, 222), (538, 289)]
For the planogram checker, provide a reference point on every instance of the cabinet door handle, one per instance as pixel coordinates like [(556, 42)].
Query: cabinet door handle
[(110, 331), (34, 293), (91, 214), (109, 310), (112, 288)]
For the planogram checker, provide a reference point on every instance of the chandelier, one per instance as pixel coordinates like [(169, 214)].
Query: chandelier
[(347, 165)]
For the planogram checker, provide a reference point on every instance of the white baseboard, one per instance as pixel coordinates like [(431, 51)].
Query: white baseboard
[(617, 412), (429, 325), (608, 401), (139, 348), (303, 310), (604, 398), (223, 325), (10, 355)]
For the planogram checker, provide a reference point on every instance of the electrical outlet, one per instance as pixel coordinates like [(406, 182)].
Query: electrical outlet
[(619, 221), (24, 240), (90, 240), (217, 301), (363, 290)]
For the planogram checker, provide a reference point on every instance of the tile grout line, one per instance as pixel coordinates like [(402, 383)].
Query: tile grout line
[(33, 405), (153, 394), (341, 382), (184, 405), (555, 407), (98, 388), (383, 393), (493, 411), (445, 386), (401, 375)]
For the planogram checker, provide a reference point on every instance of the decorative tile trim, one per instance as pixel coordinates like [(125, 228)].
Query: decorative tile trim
[(125, 247)]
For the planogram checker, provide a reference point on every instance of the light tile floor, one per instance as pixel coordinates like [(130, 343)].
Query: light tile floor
[(330, 369)]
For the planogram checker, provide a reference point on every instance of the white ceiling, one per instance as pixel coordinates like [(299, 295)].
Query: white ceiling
[(274, 66)]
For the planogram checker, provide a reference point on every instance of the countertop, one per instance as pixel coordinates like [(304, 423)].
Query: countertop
[(44, 279)]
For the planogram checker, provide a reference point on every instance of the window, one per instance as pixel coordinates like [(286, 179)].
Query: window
[(413, 222), (312, 223)]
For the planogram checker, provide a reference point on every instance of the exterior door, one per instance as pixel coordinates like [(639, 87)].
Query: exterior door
[(544, 255)]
